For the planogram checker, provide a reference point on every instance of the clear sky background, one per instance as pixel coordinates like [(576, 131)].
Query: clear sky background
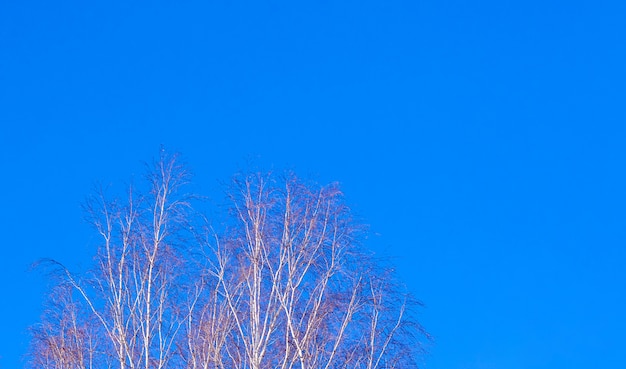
[(483, 141)]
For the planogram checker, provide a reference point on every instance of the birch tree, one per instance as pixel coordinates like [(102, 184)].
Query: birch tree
[(284, 282)]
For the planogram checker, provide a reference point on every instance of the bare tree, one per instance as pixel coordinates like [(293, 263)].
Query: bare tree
[(64, 339), (283, 284)]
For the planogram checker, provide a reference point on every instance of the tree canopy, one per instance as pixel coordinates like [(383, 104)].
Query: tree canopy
[(283, 282)]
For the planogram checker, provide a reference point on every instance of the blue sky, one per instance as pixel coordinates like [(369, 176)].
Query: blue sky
[(483, 141)]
